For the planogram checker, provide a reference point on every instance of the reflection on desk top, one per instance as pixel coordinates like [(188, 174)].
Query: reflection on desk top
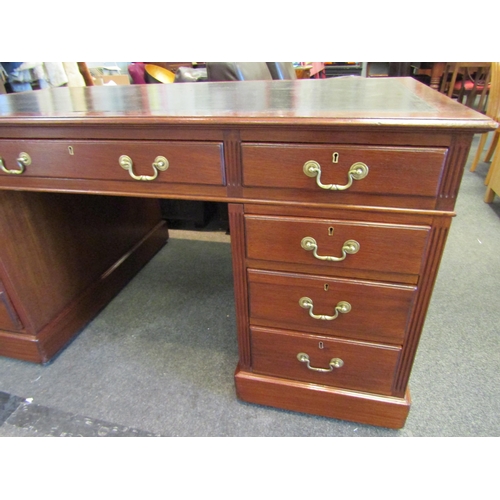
[(340, 101)]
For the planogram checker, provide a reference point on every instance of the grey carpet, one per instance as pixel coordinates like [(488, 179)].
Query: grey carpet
[(159, 360)]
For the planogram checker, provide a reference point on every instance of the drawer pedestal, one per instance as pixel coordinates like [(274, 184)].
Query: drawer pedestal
[(332, 337)]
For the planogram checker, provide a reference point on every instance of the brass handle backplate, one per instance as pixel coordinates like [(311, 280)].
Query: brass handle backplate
[(349, 247), (23, 161), (334, 363), (358, 171), (160, 163), (342, 307)]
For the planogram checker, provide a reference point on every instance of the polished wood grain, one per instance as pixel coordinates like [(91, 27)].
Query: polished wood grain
[(366, 367), (323, 400), (385, 248), (281, 166), (59, 247), (344, 102), (378, 215), (237, 224), (99, 160), (232, 156), (380, 311), (432, 260), (243, 143), (453, 172)]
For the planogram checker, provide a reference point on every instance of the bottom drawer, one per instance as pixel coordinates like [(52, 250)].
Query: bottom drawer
[(321, 360)]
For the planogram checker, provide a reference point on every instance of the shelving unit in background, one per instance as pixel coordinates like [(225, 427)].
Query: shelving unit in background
[(333, 69)]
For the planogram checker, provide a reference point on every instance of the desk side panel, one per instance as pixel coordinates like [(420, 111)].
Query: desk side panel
[(56, 247)]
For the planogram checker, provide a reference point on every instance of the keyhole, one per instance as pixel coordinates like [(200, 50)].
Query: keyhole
[(326, 286), (330, 231), (335, 158), (70, 150), (320, 345)]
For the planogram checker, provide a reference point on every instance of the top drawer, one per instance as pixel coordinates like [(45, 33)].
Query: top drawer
[(161, 161), (344, 173)]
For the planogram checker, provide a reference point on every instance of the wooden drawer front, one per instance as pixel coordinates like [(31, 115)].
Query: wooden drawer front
[(364, 366), (392, 170), (379, 311), (382, 247), (188, 162), (8, 317)]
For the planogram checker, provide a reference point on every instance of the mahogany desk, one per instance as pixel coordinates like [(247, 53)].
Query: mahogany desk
[(340, 191)]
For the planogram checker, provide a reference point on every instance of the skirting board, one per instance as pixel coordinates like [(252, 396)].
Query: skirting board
[(332, 402)]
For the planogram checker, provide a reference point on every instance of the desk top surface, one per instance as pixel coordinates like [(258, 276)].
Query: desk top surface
[(333, 101)]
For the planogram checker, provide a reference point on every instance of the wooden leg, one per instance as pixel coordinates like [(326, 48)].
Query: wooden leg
[(493, 179), (453, 80), (490, 170), (480, 148), (490, 194), (492, 147), (436, 74)]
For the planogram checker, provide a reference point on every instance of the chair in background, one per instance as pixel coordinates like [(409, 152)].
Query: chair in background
[(185, 74), (87, 77), (493, 180), (237, 71), (493, 111), (282, 70), (137, 72), (224, 71), (468, 80)]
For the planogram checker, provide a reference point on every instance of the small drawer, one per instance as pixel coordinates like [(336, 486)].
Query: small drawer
[(320, 360), (157, 161), (335, 244), (355, 309), (345, 173)]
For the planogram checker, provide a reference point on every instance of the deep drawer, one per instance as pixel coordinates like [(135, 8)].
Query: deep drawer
[(392, 171), (320, 360), (334, 244), (377, 311), (187, 162)]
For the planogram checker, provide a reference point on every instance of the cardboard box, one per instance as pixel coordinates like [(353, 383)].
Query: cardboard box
[(112, 80)]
